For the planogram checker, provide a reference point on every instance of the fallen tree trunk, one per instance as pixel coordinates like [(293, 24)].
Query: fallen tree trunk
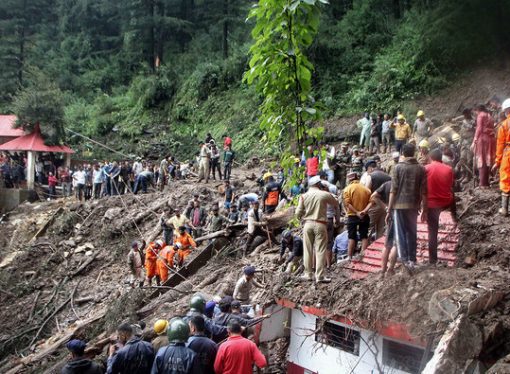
[(85, 264), (213, 235), (280, 219), (39, 356)]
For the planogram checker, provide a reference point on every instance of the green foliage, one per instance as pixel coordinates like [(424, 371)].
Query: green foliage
[(281, 71), (41, 104)]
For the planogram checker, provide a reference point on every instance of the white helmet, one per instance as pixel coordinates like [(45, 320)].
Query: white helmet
[(506, 104)]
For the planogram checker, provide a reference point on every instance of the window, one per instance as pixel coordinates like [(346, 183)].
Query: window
[(338, 336), (402, 356)]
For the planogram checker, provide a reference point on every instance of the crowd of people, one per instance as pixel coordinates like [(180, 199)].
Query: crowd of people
[(396, 175)]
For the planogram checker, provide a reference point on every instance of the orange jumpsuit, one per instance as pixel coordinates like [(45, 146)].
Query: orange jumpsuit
[(187, 244), (503, 155), (150, 259), (166, 258)]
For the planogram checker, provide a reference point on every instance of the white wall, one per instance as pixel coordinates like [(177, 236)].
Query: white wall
[(322, 359), (276, 326)]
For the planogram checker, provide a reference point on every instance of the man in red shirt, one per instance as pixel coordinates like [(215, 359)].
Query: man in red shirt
[(440, 182), (52, 183), (237, 355), (227, 142)]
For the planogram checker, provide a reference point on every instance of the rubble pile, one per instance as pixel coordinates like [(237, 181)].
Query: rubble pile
[(63, 273)]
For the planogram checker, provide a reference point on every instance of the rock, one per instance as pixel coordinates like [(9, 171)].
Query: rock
[(80, 249), (89, 253), (469, 261), (66, 254), (88, 246), (78, 239), (69, 243), (111, 213)]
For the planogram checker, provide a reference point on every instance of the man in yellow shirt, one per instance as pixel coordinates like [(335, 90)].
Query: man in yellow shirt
[(179, 220), (402, 132), (356, 204)]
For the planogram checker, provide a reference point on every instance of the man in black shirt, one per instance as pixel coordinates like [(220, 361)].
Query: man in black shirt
[(374, 179), (295, 244)]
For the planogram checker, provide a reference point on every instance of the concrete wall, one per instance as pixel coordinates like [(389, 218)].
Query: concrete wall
[(319, 358), (10, 198), (276, 326)]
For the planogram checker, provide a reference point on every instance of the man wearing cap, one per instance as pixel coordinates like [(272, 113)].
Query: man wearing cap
[(343, 162), (408, 195), (395, 158), (203, 166), (402, 132), (135, 264), (423, 152), (244, 284), (187, 244), (422, 127), (356, 199), (79, 364), (364, 124), (161, 340), (272, 194), (312, 209)]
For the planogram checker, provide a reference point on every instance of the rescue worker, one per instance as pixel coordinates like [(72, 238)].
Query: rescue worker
[(135, 264), (79, 364), (356, 199), (295, 245), (165, 260), (395, 158), (197, 308), (176, 358), (483, 145), (256, 221), (203, 166), (187, 244), (151, 257), (402, 132), (161, 340), (503, 158), (143, 180), (272, 194), (204, 347), (244, 284), (130, 354), (312, 208), (423, 152), (422, 127)]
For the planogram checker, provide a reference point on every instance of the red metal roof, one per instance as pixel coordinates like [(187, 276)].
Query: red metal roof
[(33, 142), (389, 329), (7, 126), (448, 238)]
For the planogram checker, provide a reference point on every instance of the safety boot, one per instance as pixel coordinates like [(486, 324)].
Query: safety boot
[(504, 205)]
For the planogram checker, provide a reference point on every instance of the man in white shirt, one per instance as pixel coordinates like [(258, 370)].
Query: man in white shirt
[(79, 179)]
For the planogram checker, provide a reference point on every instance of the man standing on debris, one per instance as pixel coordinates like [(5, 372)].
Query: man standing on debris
[(408, 193), (237, 355), (135, 264), (422, 127), (503, 158), (356, 199), (228, 160), (440, 184), (215, 161), (312, 209), (484, 145), (151, 257), (165, 261), (79, 363), (176, 358), (402, 132), (168, 236), (131, 354), (343, 162), (203, 167), (229, 194), (179, 220), (272, 194), (365, 125), (244, 284), (199, 343), (198, 217), (217, 221)]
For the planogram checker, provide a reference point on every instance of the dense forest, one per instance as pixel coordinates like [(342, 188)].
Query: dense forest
[(149, 75)]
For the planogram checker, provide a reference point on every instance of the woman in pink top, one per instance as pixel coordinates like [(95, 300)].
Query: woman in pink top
[(484, 144)]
